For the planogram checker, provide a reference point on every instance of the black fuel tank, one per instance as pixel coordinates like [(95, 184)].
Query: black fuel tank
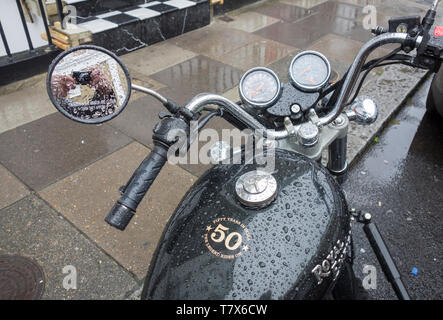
[(216, 248)]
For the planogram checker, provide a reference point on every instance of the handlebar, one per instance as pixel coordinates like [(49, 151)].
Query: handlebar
[(206, 99), (355, 69), (140, 182), (249, 120), (123, 211)]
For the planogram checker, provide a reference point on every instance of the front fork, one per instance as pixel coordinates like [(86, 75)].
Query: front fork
[(337, 157)]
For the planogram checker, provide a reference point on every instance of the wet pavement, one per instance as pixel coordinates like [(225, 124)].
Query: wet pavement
[(65, 174), (399, 180)]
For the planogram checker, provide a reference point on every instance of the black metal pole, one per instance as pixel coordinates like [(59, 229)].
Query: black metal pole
[(384, 257), (25, 26), (5, 42), (60, 12), (45, 22)]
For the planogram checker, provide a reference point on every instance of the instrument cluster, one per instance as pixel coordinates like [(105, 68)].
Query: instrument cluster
[(260, 88)]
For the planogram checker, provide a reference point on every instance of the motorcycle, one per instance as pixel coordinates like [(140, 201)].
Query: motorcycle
[(247, 229)]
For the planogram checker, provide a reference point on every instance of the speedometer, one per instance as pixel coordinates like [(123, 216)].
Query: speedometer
[(260, 88), (310, 71)]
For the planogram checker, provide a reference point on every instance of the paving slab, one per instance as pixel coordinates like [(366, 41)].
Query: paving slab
[(325, 23), (307, 4), (199, 74), (214, 40), (258, 53), (86, 197), (33, 229), (402, 8), (285, 32), (282, 11), (232, 94), (23, 106), (45, 150), (23, 84), (363, 3), (11, 189), (155, 58), (338, 9), (248, 21)]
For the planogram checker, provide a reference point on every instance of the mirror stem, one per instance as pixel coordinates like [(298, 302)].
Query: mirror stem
[(152, 93)]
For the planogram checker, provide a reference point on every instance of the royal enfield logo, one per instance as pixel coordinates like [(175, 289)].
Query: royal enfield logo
[(331, 266), (227, 238)]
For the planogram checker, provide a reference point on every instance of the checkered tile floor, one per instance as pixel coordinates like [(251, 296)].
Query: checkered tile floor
[(113, 19)]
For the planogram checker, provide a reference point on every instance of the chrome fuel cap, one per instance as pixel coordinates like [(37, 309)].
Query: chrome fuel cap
[(256, 189)]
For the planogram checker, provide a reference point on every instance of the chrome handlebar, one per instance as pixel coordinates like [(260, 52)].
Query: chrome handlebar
[(355, 69), (435, 5), (204, 99), (235, 110)]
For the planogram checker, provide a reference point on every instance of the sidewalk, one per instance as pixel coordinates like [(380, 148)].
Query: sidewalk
[(59, 178)]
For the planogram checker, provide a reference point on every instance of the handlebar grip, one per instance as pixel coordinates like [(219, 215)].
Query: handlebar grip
[(123, 211), (119, 216)]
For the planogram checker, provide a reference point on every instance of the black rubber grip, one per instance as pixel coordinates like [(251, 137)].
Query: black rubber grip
[(138, 185), (119, 216)]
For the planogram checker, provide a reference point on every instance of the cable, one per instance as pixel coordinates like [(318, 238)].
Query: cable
[(373, 65), (215, 112), (369, 65)]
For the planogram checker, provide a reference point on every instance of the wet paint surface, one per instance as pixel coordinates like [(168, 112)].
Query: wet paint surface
[(280, 246)]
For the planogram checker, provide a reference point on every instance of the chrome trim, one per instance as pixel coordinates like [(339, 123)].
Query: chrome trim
[(152, 93), (418, 41), (249, 120), (364, 111), (309, 88), (354, 71), (255, 104)]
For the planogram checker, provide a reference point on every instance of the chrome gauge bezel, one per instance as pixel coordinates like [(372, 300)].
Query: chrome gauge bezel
[(257, 105), (305, 87)]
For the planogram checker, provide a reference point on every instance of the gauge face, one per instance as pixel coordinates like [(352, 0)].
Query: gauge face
[(310, 71), (260, 87)]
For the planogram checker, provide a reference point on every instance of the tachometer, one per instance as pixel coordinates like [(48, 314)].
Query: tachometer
[(260, 88), (310, 71)]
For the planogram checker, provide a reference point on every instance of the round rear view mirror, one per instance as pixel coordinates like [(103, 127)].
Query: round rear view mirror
[(88, 84)]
